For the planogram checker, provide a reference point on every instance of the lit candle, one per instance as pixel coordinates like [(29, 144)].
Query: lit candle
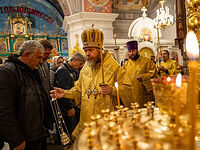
[(168, 79), (178, 81), (177, 101), (118, 101), (192, 46), (192, 49)]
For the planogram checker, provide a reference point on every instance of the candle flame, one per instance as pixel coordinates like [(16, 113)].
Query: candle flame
[(178, 80), (116, 84), (168, 79), (192, 46)]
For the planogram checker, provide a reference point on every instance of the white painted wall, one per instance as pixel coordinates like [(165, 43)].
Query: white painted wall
[(79, 22)]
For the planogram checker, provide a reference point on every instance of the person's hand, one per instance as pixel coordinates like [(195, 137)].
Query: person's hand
[(20, 146), (106, 89), (57, 93), (139, 78), (71, 112)]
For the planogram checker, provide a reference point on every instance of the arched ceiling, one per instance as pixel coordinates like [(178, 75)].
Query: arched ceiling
[(69, 7), (55, 4)]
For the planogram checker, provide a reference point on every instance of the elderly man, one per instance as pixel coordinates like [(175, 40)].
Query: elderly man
[(22, 121), (89, 90), (168, 67), (64, 78), (140, 70)]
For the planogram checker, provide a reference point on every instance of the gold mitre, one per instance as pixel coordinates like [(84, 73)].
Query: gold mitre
[(92, 38)]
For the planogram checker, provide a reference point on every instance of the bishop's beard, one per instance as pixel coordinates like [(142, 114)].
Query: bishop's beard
[(92, 63)]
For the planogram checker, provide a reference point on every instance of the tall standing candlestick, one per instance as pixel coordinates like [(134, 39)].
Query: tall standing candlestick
[(116, 47), (192, 49), (118, 101), (101, 53)]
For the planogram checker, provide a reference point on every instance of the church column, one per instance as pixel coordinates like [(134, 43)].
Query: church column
[(181, 24), (79, 22)]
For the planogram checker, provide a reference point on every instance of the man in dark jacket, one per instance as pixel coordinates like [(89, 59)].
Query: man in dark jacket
[(22, 121), (44, 68), (64, 78), (44, 71)]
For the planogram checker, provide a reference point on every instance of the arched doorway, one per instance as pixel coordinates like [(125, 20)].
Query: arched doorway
[(146, 51)]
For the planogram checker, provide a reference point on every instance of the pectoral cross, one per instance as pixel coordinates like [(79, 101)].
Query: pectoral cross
[(89, 92), (95, 92)]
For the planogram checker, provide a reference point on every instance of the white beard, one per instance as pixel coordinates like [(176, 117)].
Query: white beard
[(92, 64)]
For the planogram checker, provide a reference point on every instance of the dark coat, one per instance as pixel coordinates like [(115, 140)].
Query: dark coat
[(21, 103), (64, 78), (44, 70)]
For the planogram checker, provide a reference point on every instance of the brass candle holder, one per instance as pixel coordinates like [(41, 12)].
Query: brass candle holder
[(90, 134), (96, 118), (167, 95), (171, 101)]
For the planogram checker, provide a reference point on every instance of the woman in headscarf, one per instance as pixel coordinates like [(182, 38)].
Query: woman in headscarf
[(56, 62)]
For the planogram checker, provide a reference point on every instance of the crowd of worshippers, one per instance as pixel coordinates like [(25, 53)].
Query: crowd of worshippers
[(83, 86)]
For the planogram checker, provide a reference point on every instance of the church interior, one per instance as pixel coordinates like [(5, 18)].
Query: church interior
[(172, 123)]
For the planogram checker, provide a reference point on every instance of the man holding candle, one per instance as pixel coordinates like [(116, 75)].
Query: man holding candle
[(140, 70), (168, 67), (95, 88)]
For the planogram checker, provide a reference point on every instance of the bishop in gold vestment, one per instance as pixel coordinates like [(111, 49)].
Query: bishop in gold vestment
[(88, 91), (140, 70), (168, 67)]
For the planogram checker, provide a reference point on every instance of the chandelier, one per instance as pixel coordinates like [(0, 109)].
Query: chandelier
[(163, 18)]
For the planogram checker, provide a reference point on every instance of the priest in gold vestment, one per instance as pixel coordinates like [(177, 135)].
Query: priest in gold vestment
[(140, 70), (88, 92), (168, 67)]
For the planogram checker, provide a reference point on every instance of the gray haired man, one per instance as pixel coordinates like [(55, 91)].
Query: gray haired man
[(64, 78), (21, 102)]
